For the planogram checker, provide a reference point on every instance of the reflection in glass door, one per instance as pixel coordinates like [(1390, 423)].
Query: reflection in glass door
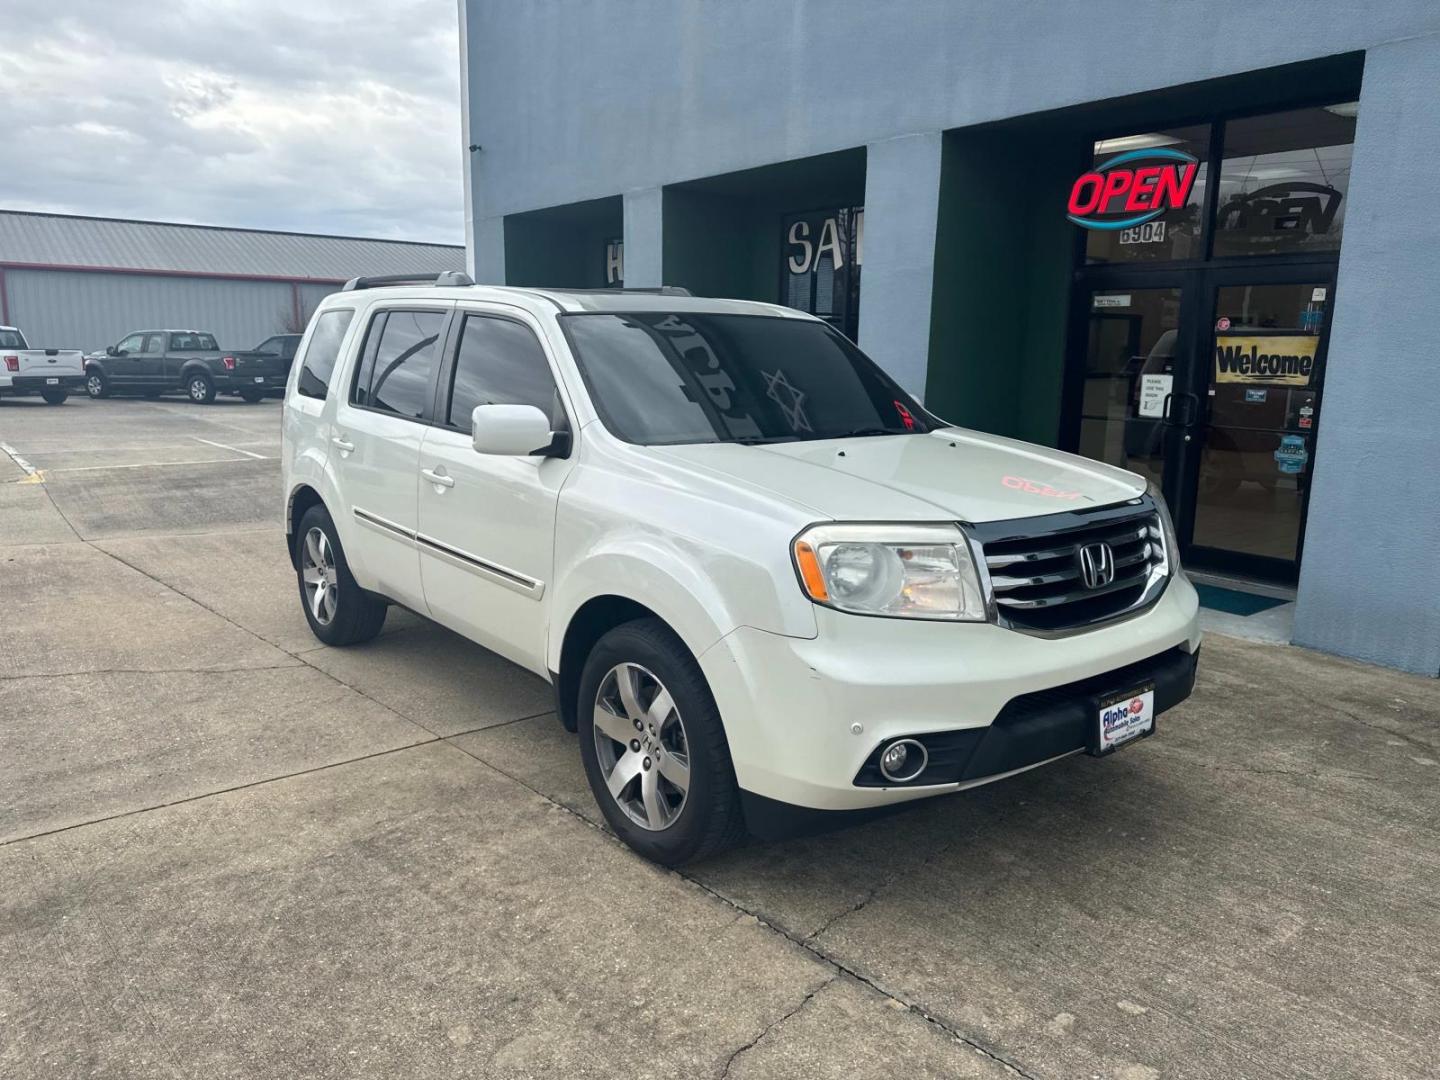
[(1263, 397), (1129, 374)]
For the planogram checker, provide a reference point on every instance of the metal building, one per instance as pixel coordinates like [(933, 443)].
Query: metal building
[(1192, 240), (83, 282)]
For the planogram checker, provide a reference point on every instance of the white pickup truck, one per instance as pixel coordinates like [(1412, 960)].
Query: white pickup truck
[(53, 373)]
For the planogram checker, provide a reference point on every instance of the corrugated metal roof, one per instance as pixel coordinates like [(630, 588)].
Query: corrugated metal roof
[(61, 240)]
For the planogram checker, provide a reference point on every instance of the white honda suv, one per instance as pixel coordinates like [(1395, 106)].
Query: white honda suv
[(770, 589)]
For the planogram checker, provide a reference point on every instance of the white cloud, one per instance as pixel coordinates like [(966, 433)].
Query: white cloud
[(320, 116)]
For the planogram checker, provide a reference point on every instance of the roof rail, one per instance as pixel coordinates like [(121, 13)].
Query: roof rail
[(447, 278), (659, 290)]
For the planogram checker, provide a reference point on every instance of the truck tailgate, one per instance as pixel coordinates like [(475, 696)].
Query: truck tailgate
[(253, 363), (44, 361)]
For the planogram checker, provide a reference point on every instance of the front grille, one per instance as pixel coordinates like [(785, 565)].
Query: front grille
[(1036, 575)]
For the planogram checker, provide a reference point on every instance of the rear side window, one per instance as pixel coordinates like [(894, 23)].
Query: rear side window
[(499, 362), (399, 362), (323, 351)]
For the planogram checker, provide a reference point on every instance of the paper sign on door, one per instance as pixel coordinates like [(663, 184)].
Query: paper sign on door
[(1154, 389)]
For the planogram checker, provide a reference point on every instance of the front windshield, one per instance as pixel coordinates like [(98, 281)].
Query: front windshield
[(665, 377)]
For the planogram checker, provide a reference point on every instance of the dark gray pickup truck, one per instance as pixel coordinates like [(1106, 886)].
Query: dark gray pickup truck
[(153, 362)]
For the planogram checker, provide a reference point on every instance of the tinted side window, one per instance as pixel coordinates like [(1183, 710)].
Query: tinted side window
[(322, 353), (154, 343), (131, 344), (397, 372), (499, 362)]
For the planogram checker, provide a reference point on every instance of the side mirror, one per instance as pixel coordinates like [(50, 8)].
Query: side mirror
[(110, 350), (512, 430)]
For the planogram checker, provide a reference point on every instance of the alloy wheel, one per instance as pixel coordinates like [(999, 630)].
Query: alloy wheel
[(197, 390), (641, 747), (317, 568), (94, 385)]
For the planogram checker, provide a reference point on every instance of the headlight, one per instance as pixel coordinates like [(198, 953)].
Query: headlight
[(900, 571), (1167, 529)]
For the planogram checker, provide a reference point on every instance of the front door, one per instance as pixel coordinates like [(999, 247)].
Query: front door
[(487, 521), (1250, 439)]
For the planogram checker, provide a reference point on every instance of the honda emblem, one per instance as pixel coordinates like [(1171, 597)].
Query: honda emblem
[(1097, 565)]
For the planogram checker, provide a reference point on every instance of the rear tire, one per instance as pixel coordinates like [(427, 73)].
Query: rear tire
[(54, 397), (200, 388), (252, 396), (96, 384), (677, 800), (338, 610)]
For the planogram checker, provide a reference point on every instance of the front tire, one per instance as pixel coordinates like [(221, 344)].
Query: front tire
[(654, 748), (96, 384), (338, 610), (54, 397)]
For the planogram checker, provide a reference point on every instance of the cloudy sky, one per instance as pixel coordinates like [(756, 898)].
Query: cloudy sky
[(337, 116)]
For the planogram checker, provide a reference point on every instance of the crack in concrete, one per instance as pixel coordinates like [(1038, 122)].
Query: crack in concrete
[(261, 638), (768, 1028), (805, 943), (299, 665)]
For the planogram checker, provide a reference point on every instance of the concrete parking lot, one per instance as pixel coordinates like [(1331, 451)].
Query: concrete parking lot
[(228, 851)]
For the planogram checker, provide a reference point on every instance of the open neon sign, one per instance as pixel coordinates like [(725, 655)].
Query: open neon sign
[(1133, 188)]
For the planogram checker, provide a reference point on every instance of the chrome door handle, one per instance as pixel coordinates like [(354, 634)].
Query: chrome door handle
[(438, 478), (342, 443)]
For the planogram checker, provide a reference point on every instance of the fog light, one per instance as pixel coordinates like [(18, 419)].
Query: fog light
[(903, 760)]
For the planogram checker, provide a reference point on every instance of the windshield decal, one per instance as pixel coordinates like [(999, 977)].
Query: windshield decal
[(790, 399), (704, 365)]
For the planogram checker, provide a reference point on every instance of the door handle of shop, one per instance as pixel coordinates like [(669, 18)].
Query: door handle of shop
[(438, 478), (342, 443)]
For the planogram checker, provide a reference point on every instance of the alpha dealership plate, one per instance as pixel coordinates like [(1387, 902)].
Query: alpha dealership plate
[(1123, 717)]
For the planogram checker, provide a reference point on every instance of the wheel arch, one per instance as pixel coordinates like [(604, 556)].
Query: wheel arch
[(591, 621), (302, 498)]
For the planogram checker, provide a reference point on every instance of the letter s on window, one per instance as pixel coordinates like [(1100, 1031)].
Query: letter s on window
[(799, 231)]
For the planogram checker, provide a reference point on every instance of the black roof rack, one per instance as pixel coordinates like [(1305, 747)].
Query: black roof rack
[(447, 278), (659, 290)]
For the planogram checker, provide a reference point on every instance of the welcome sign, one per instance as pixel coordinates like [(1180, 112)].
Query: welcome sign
[(1273, 360)]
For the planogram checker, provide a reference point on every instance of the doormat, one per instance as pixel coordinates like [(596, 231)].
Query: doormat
[(1234, 601)]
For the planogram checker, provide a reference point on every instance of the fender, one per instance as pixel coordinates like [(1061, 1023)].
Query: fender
[(670, 582), (311, 468)]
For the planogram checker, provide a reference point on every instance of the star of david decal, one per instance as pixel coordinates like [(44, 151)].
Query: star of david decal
[(790, 400)]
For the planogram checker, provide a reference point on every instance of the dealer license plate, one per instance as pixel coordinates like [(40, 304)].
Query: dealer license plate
[(260, 378), (52, 382), (1124, 717)]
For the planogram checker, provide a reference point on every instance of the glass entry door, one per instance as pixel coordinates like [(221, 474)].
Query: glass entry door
[(1133, 347), (1210, 386), (1253, 438)]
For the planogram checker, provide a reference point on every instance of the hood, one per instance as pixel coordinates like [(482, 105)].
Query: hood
[(951, 474)]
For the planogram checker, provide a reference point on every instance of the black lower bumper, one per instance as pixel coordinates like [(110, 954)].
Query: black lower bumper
[(46, 382), (1030, 729), (234, 384)]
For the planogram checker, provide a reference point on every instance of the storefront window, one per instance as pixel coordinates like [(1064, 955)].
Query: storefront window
[(1176, 234), (1284, 181), (821, 268)]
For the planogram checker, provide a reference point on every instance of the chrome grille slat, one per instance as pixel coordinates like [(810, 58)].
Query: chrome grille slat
[(1035, 580), (1128, 536)]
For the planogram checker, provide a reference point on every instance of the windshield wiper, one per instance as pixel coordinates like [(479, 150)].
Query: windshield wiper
[(858, 433)]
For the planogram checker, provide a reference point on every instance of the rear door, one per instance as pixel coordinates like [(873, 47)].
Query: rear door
[(380, 420), (487, 522)]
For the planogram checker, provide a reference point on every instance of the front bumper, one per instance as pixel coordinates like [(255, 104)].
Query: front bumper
[(792, 705)]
